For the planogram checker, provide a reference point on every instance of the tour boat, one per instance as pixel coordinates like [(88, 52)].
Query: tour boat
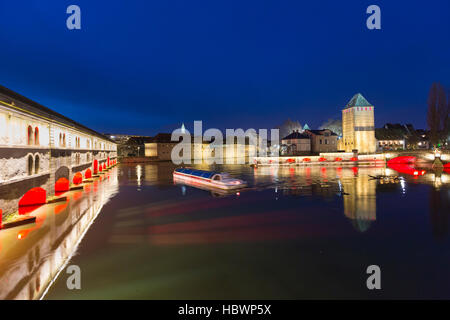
[(208, 178)]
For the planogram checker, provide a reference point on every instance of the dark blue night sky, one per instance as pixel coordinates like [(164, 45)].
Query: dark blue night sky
[(146, 66)]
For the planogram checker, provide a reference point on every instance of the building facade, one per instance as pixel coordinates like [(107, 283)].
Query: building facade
[(358, 126), (323, 140), (390, 139), (296, 143), (39, 147)]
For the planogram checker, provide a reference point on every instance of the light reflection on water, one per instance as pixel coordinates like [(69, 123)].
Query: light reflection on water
[(32, 256), (295, 232)]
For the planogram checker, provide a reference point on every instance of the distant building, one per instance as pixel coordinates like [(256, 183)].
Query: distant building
[(390, 139), (296, 143), (160, 147), (134, 146), (401, 136), (358, 126), (323, 140)]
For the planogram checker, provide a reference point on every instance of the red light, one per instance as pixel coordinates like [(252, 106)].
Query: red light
[(34, 196), (77, 178), (88, 174), (62, 185)]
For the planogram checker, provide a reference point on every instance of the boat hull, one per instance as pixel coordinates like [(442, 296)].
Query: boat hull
[(206, 182)]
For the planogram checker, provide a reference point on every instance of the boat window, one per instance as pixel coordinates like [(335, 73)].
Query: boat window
[(206, 175), (216, 177)]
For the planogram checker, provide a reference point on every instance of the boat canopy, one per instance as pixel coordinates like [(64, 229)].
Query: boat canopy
[(197, 173)]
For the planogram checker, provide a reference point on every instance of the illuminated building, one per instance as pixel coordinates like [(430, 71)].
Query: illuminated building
[(42, 150), (323, 140), (297, 143), (358, 126)]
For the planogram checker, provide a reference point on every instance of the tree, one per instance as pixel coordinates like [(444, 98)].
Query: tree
[(437, 108), (334, 125), (288, 127)]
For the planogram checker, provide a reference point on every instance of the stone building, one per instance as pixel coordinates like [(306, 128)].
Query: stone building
[(160, 147), (390, 139), (296, 143), (323, 140), (44, 150), (358, 126)]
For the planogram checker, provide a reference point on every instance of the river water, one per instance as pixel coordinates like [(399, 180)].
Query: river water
[(294, 233)]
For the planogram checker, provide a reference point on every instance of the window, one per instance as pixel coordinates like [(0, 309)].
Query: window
[(320, 141), (326, 141), (30, 135), (30, 165), (36, 165), (36, 136)]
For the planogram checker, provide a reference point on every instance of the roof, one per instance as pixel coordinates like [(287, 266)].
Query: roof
[(358, 101), (29, 106), (296, 135), (197, 173), (321, 132), (389, 134)]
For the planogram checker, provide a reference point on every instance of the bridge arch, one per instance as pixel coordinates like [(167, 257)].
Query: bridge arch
[(62, 176), (62, 172), (95, 165), (77, 178), (33, 197)]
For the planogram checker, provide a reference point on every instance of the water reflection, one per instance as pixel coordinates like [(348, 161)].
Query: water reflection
[(298, 224), (32, 256), (178, 241), (439, 212)]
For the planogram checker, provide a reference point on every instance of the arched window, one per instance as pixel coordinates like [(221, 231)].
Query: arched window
[(64, 140), (36, 136), (36, 165), (30, 135), (30, 165), (60, 139)]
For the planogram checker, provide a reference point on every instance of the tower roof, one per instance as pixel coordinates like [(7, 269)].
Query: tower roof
[(358, 101)]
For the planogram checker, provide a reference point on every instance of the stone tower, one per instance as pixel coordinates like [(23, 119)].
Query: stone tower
[(358, 126)]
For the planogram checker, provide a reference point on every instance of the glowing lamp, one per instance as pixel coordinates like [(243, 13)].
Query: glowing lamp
[(77, 178), (34, 196), (88, 174), (62, 185), (322, 159)]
